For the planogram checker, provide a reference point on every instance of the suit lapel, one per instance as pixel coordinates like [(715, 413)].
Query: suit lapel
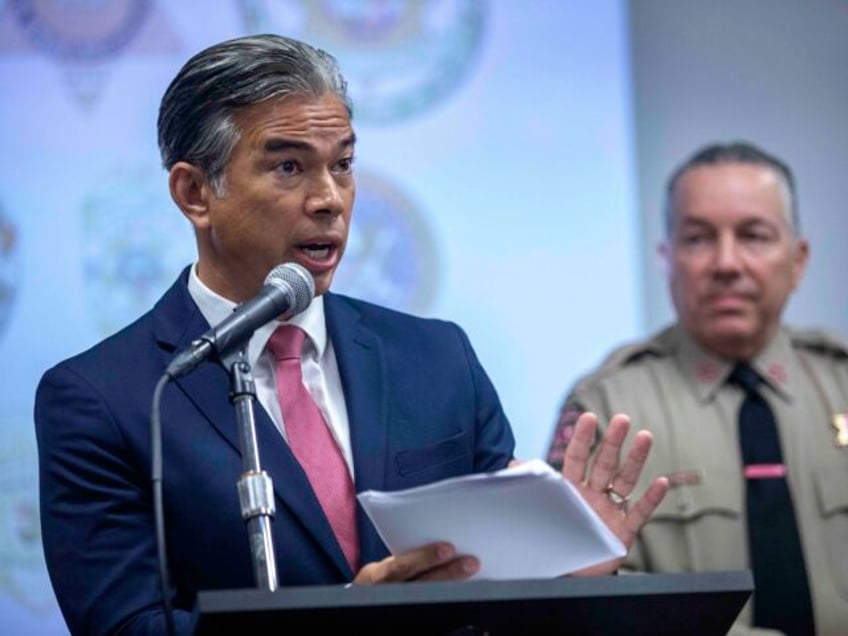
[(362, 369), (178, 322)]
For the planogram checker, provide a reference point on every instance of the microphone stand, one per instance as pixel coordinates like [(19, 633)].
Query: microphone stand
[(256, 492)]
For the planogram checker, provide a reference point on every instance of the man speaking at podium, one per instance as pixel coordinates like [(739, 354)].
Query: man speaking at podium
[(257, 138)]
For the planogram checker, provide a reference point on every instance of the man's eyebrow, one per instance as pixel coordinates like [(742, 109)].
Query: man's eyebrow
[(279, 144), (282, 144), (695, 220)]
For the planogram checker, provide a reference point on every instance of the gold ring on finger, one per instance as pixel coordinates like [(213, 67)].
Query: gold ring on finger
[(617, 498)]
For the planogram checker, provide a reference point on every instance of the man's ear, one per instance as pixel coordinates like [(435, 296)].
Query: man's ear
[(799, 261), (191, 191), (664, 256)]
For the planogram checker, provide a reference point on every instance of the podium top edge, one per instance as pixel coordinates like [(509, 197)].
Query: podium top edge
[(635, 584)]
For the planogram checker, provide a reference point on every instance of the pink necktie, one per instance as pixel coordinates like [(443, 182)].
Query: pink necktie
[(312, 442)]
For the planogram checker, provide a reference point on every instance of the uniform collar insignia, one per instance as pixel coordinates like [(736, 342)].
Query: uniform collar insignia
[(709, 372), (774, 365)]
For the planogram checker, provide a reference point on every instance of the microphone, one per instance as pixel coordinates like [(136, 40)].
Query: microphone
[(288, 290)]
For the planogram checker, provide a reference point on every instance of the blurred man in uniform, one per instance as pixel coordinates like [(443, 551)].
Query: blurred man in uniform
[(749, 415)]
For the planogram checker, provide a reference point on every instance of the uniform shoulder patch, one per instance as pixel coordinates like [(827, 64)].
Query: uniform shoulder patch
[(584, 395)]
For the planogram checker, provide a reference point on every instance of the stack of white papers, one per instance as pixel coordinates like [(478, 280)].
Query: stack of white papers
[(521, 522)]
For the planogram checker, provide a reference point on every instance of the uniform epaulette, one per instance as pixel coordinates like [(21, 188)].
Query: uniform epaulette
[(660, 344), (820, 340)]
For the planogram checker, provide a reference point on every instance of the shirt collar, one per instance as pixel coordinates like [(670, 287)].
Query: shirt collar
[(774, 364), (707, 372), (216, 308)]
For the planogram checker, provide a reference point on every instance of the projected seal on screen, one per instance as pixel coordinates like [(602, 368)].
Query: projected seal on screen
[(401, 58), (135, 244), (80, 31), (391, 255), (9, 273), (83, 38), (20, 550)]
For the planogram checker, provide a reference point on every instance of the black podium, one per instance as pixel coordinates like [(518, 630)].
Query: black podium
[(650, 604)]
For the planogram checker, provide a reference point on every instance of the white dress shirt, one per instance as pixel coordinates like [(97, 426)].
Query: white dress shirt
[(318, 364)]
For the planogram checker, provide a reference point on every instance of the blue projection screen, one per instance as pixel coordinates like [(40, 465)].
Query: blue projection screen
[(495, 189)]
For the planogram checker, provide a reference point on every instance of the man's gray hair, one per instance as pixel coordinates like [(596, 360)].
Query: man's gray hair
[(735, 152), (196, 114)]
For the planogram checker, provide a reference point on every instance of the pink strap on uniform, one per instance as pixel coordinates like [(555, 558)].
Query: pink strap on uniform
[(765, 471)]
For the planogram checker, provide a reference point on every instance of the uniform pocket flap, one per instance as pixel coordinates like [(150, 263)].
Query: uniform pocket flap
[(714, 491), (832, 488)]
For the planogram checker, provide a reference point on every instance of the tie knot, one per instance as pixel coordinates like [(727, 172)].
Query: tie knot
[(286, 342), (745, 377)]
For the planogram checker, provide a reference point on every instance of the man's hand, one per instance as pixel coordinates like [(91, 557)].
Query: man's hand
[(601, 482), (433, 562), (606, 484)]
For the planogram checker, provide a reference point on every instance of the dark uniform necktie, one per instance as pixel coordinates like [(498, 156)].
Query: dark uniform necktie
[(781, 591)]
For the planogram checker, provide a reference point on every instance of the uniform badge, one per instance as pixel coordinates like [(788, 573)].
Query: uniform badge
[(563, 434), (840, 425)]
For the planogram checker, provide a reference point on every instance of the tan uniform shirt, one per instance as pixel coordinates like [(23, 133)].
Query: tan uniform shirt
[(669, 386)]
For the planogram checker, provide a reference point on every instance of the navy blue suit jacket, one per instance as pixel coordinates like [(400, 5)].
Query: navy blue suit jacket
[(420, 406)]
